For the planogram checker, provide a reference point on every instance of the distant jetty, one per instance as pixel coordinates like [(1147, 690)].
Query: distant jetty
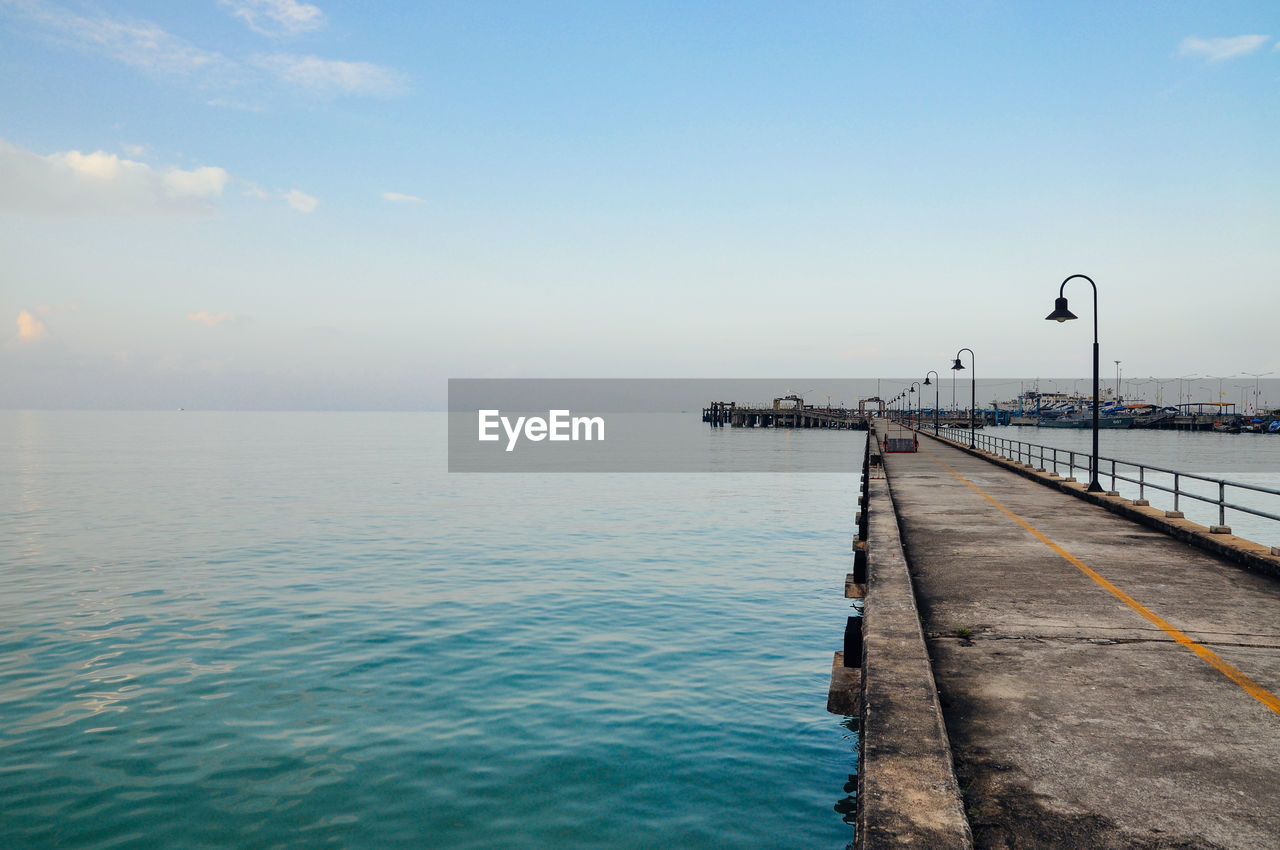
[(790, 411), (1039, 410)]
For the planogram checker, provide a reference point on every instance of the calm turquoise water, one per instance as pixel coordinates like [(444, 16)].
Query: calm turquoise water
[(296, 630)]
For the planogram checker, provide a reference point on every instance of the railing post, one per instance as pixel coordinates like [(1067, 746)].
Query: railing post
[(1028, 453)]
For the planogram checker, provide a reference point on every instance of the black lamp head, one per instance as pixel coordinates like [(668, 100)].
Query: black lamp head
[(927, 382), (957, 365), (1060, 312)]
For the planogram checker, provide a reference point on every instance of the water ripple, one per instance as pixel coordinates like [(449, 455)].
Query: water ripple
[(238, 646)]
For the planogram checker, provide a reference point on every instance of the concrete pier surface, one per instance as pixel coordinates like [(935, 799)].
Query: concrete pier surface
[(1102, 684)]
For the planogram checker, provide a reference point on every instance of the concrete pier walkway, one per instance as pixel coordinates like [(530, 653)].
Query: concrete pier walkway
[(1102, 684)]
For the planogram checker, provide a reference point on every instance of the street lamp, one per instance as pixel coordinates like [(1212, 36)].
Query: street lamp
[(1219, 379), (1188, 379), (1160, 382), (1062, 314), (1256, 376), (935, 396), (973, 386), (915, 384)]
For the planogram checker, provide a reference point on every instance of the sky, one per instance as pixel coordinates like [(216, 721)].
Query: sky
[(276, 204)]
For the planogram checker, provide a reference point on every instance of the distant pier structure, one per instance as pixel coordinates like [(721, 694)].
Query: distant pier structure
[(790, 411)]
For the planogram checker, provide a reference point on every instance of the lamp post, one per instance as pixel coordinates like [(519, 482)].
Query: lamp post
[(935, 396), (915, 384), (1159, 382), (1256, 376), (1188, 379), (1219, 379), (1062, 314), (973, 387)]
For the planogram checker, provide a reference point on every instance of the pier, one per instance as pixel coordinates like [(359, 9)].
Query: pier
[(789, 411), (1041, 667)]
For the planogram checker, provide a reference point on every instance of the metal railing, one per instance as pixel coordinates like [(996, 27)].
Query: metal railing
[(1051, 459)]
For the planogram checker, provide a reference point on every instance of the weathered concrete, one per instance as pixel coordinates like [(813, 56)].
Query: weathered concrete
[(1074, 720), (907, 790), (1217, 539), (845, 694)]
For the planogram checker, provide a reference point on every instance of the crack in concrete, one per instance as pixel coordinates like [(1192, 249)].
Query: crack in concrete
[(980, 628), (1107, 641)]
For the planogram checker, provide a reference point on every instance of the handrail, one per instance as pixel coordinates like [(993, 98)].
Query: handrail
[(1074, 459)]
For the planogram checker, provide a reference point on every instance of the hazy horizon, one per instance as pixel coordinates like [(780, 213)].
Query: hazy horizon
[(843, 391)]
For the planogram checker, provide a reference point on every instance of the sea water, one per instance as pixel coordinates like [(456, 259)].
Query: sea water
[(298, 630)]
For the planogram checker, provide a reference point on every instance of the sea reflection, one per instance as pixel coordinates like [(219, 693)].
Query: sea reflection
[(847, 806), (216, 639)]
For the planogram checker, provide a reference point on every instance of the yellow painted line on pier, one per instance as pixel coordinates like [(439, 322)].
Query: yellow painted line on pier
[(1249, 686)]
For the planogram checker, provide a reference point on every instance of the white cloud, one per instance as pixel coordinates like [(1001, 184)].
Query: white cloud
[(98, 165), (212, 320), (141, 44), (231, 103), (148, 46), (204, 182), (30, 329), (1221, 49), (295, 198), (301, 201), (397, 198), (329, 76), (100, 183), (276, 17)]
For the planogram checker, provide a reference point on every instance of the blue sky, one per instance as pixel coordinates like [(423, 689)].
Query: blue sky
[(271, 203)]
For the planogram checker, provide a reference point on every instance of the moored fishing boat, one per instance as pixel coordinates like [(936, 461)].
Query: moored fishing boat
[(1086, 421)]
